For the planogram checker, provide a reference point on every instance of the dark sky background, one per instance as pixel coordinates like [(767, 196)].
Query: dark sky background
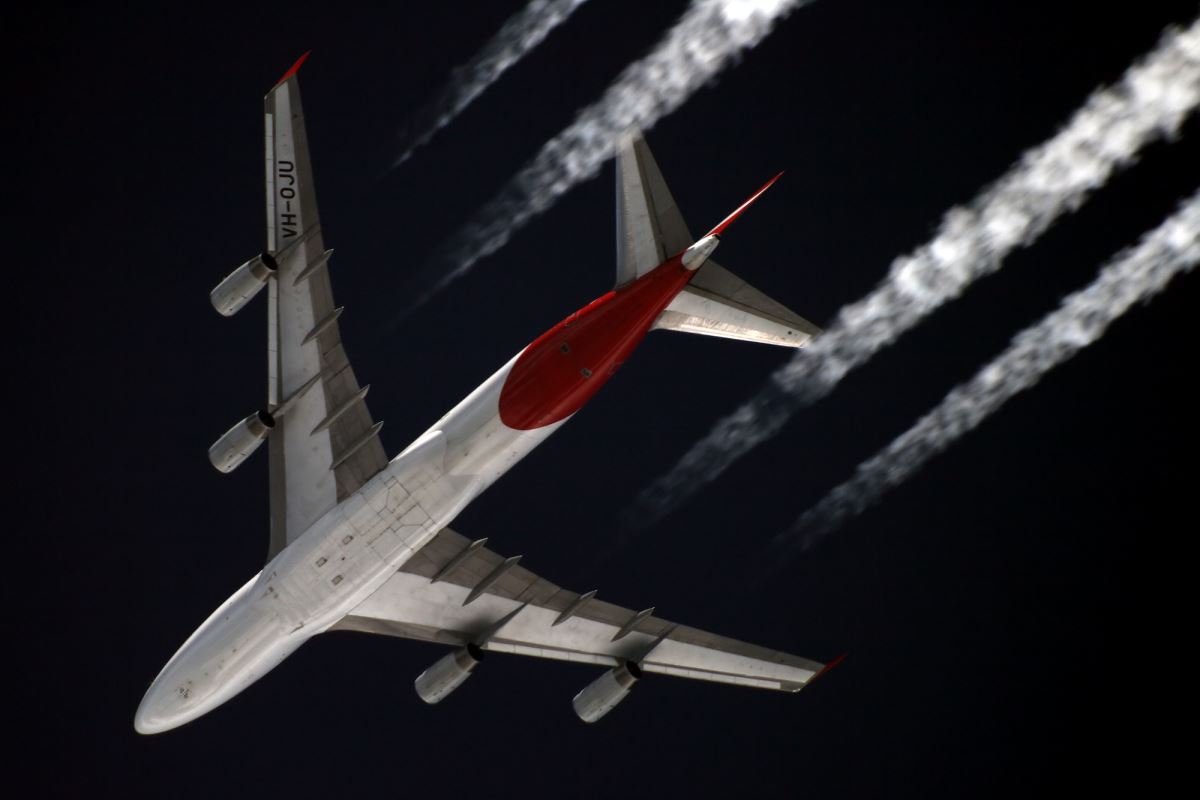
[(1014, 615)]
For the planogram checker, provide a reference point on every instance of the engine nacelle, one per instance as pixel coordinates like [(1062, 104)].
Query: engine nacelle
[(242, 284), (240, 441), (602, 695), (448, 673)]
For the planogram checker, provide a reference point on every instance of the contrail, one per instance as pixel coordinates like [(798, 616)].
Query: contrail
[(522, 32), (706, 39), (1150, 102), (1131, 277)]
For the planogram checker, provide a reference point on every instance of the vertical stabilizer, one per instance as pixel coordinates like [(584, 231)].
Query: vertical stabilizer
[(650, 227)]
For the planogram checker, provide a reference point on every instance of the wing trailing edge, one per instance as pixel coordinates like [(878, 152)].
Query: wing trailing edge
[(424, 600)]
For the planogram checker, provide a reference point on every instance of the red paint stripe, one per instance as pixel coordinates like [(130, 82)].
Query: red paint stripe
[(295, 68), (737, 212), (829, 666)]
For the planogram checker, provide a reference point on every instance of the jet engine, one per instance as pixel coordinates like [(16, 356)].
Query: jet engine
[(448, 673), (602, 695), (236, 445), (242, 284)]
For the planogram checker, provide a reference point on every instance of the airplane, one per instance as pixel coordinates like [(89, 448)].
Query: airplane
[(359, 542)]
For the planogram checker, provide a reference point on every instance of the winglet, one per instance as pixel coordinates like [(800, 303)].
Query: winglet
[(717, 231), (828, 666), (295, 68)]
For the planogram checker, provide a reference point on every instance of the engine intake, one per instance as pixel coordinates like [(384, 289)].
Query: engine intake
[(236, 445), (448, 673), (602, 695), (242, 284)]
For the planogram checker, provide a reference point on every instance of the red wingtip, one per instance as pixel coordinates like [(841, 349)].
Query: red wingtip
[(737, 212), (295, 68), (840, 658)]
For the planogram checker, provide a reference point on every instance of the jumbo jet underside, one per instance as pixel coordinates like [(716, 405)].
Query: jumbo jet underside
[(360, 542)]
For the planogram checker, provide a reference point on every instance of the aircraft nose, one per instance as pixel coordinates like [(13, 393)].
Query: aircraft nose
[(153, 715), (216, 662), (147, 720), (164, 706)]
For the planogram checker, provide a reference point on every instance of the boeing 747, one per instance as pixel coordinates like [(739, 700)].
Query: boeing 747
[(360, 542)]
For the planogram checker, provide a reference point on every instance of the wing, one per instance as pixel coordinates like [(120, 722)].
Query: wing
[(325, 445), (650, 227), (454, 591)]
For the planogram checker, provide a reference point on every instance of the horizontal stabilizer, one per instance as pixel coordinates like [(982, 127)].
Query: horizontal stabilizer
[(719, 303)]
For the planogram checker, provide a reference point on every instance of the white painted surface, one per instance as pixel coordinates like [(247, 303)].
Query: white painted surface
[(341, 560)]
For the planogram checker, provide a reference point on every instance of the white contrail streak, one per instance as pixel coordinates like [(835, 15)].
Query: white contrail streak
[(1150, 102), (706, 39), (1131, 277), (522, 32)]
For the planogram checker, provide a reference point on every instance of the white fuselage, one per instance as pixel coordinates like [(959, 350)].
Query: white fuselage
[(344, 557), (360, 543)]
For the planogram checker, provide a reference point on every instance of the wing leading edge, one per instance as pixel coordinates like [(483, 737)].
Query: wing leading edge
[(327, 445), (436, 596)]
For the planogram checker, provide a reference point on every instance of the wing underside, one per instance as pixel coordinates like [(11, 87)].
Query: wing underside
[(454, 593), (326, 444)]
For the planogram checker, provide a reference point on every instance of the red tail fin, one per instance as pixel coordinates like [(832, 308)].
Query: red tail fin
[(295, 68), (717, 231)]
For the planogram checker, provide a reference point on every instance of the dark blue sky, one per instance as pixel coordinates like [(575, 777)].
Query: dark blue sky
[(1013, 614)]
